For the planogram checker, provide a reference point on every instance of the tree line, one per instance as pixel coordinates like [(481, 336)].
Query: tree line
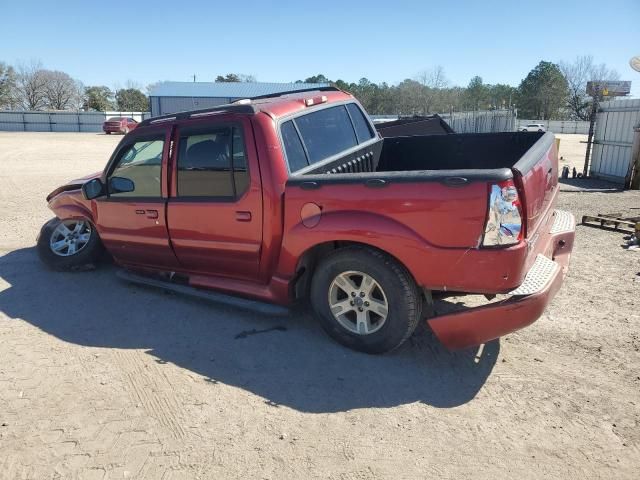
[(550, 91), (32, 87)]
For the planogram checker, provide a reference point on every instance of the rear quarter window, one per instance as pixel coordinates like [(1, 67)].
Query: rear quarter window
[(360, 123), (313, 137), (326, 132)]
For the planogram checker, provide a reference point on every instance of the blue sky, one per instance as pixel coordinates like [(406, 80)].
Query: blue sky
[(115, 42)]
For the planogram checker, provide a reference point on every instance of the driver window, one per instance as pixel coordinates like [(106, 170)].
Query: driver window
[(142, 164)]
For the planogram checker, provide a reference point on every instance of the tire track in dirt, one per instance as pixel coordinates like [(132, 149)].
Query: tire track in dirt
[(149, 387)]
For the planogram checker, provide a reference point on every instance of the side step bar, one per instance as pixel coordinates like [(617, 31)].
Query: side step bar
[(216, 297)]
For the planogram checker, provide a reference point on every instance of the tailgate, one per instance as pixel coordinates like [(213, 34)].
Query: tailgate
[(536, 176)]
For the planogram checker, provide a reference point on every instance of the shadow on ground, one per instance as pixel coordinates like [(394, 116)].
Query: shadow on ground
[(588, 185), (297, 366)]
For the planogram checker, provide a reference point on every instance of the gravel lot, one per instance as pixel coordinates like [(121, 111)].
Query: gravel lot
[(100, 379)]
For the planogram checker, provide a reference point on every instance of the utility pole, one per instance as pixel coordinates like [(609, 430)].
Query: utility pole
[(592, 121), (194, 78)]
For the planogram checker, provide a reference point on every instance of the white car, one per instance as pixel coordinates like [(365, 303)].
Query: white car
[(532, 127)]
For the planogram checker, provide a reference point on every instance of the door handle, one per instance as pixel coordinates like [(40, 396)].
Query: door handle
[(150, 213), (243, 216)]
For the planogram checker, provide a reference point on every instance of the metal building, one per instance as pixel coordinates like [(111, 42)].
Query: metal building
[(613, 141), (171, 97)]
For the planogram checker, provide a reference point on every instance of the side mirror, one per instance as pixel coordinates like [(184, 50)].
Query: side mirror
[(93, 189), (121, 185)]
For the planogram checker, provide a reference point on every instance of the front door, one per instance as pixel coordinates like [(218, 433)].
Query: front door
[(215, 206), (133, 225)]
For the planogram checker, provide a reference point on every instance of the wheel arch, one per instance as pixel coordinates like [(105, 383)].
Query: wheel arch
[(309, 260)]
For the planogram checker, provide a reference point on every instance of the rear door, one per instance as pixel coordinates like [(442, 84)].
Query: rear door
[(215, 207), (537, 176), (133, 224)]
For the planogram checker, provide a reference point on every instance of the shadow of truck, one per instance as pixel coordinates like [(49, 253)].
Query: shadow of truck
[(291, 363)]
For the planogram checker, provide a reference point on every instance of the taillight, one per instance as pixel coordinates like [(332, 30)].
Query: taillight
[(504, 222)]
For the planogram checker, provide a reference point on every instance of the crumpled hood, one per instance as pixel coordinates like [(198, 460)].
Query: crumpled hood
[(73, 185)]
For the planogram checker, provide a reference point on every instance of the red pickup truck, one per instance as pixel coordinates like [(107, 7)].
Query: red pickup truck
[(297, 196)]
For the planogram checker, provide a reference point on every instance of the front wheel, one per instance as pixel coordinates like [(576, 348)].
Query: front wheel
[(365, 300), (69, 244)]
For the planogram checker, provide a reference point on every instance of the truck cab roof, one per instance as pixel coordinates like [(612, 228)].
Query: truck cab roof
[(276, 105)]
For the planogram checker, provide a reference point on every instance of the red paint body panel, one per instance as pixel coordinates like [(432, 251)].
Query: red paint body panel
[(253, 245), (213, 236)]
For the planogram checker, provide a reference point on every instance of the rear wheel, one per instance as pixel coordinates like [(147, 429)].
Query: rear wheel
[(365, 300), (108, 133), (69, 244)]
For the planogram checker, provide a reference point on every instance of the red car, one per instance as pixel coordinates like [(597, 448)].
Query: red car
[(298, 198), (119, 125)]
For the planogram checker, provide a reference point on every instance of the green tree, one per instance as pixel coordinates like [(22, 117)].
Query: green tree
[(7, 86), (543, 93), (501, 95), (320, 78), (98, 98), (132, 100), (476, 94), (235, 77), (228, 78)]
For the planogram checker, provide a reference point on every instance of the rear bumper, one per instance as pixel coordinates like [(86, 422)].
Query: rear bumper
[(526, 303)]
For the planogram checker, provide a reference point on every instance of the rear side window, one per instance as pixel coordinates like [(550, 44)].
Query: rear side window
[(326, 132), (316, 136), (293, 146), (360, 124), (212, 164)]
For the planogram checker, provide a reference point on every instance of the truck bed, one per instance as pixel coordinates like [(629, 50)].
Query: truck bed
[(453, 160), (454, 151), (464, 151)]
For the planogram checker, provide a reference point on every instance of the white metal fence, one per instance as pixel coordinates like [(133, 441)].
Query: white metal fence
[(613, 139), (559, 126), (479, 121), (26, 121)]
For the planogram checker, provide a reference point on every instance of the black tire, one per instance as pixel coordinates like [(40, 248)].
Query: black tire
[(540, 130), (107, 133), (85, 259), (402, 296), (524, 130)]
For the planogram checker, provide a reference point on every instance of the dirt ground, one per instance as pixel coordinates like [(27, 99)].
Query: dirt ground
[(104, 380), (572, 151)]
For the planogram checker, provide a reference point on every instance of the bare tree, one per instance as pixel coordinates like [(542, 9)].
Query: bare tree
[(577, 74), (7, 86), (61, 92), (31, 85), (433, 82)]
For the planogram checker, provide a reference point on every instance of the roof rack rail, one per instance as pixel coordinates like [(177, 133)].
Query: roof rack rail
[(233, 107), (302, 90), (247, 109)]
